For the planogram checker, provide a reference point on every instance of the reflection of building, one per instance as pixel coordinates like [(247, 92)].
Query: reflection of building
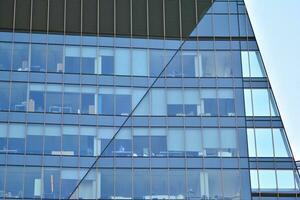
[(205, 124)]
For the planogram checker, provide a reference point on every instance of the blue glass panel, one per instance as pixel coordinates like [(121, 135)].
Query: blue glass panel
[(38, 58), (4, 93), (55, 58), (20, 57), (5, 56)]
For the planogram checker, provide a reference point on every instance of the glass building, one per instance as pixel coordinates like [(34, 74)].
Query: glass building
[(137, 99)]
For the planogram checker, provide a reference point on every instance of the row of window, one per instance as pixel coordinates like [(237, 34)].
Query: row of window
[(123, 61), (57, 183), (120, 100), (278, 180), (143, 142)]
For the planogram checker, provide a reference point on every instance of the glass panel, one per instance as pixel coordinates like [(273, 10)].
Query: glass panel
[(32, 182), (264, 144), (175, 142), (251, 142), (280, 143), (107, 183), (252, 64), (158, 102), (141, 183), (18, 100), (286, 180), (231, 184), (177, 184), (211, 142), (211, 180), (226, 102), (123, 181), (5, 56), (209, 102), (88, 60), (159, 184), (14, 182), (228, 140), (158, 142), (122, 61), (123, 104), (55, 59), (156, 62), (193, 142), (106, 64), (38, 58), (72, 59), (189, 64), (139, 62), (20, 57), (4, 93), (267, 179), (207, 64), (51, 183)]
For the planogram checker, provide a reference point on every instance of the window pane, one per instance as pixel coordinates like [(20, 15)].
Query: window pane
[(211, 142), (106, 63), (4, 93), (88, 60), (38, 58), (264, 145), (19, 97), (72, 59), (286, 180), (141, 183), (207, 64), (251, 142), (193, 142), (189, 61), (55, 59), (156, 62), (122, 61), (20, 57), (267, 179), (175, 142), (252, 64), (139, 62), (280, 143), (177, 184), (5, 56)]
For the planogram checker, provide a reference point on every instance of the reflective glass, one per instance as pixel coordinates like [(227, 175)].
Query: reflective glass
[(38, 58), (5, 56), (4, 93), (20, 57), (55, 58)]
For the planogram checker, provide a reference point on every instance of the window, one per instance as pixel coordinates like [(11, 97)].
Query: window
[(55, 59), (175, 143), (156, 62), (5, 56), (122, 61), (189, 64), (158, 102), (281, 180), (4, 93), (106, 63), (259, 102), (226, 102), (20, 57), (106, 105), (72, 59), (263, 142), (54, 99), (71, 100), (193, 142), (87, 141), (139, 59), (252, 64), (123, 104), (88, 99), (70, 140), (88, 60), (52, 143), (158, 142), (209, 102), (34, 139), (18, 101), (141, 142), (32, 182), (141, 183), (211, 142), (38, 58), (36, 98)]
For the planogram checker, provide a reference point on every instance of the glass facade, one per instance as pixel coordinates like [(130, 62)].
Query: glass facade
[(158, 113)]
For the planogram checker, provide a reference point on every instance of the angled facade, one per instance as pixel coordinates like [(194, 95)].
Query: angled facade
[(137, 99)]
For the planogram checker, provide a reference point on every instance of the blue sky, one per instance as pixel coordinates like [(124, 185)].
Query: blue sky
[(276, 24)]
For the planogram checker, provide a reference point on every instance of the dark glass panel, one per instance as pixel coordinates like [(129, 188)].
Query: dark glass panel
[(18, 101), (73, 16), (158, 145), (139, 17), (6, 14), (123, 17), (56, 15), (156, 25), (172, 21), (106, 16), (72, 64), (89, 16), (188, 16), (87, 65), (23, 13), (39, 15)]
